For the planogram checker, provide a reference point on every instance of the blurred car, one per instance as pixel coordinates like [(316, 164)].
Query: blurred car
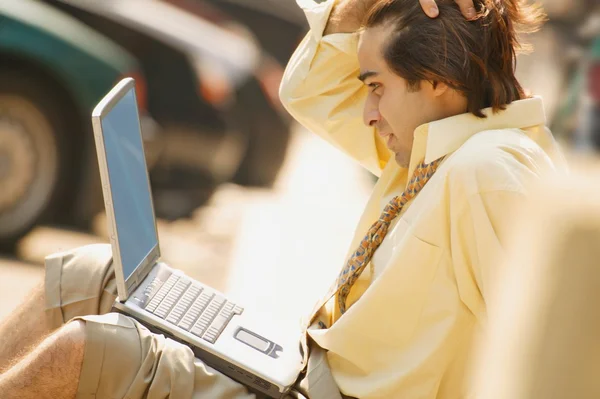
[(577, 116), (557, 68), (203, 89), (53, 71), (269, 132), (261, 17), (593, 91)]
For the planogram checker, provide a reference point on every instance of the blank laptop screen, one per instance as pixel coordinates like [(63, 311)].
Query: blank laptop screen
[(128, 177)]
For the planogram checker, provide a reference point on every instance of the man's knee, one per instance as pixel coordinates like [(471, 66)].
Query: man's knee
[(71, 338), (89, 256), (80, 282), (73, 331)]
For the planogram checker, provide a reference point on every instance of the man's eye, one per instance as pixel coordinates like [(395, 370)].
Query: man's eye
[(374, 86)]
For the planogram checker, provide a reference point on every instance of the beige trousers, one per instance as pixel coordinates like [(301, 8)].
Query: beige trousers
[(123, 359)]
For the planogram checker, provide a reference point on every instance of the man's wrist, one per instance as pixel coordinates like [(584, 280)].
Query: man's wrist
[(346, 16)]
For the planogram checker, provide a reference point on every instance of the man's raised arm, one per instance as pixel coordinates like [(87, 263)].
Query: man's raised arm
[(320, 87)]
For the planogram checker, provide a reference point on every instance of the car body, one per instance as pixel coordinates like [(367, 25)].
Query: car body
[(53, 71), (202, 89), (577, 116), (592, 110), (262, 18)]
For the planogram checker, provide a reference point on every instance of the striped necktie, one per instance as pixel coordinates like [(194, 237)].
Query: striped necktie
[(374, 237)]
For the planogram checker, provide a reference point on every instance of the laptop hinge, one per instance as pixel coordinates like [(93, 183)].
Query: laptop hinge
[(149, 266), (146, 269)]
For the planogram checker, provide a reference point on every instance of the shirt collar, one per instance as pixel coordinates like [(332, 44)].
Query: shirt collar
[(442, 137)]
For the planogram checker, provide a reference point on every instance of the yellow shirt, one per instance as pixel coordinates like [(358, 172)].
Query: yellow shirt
[(423, 297)]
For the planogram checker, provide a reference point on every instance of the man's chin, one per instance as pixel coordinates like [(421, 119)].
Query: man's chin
[(402, 160)]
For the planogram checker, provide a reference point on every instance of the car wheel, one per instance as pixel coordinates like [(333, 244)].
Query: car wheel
[(33, 155)]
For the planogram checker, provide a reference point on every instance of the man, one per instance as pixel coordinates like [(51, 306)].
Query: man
[(429, 91), (399, 320)]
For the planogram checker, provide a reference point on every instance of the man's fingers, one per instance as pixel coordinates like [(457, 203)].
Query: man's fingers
[(432, 11), (430, 8), (467, 8)]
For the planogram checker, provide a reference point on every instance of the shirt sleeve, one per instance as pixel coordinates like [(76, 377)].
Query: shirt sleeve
[(321, 90), (479, 235)]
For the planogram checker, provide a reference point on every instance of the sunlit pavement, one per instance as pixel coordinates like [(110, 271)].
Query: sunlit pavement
[(16, 280), (292, 241), (275, 251)]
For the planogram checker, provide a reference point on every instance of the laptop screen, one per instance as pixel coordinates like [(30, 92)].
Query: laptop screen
[(131, 196)]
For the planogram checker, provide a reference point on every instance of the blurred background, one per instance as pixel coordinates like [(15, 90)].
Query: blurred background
[(228, 166)]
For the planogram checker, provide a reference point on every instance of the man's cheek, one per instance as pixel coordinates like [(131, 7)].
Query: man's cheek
[(385, 112)]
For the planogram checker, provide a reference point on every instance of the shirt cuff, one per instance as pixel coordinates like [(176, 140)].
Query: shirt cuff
[(317, 15), (344, 42)]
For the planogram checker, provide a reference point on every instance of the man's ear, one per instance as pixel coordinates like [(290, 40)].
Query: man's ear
[(439, 88)]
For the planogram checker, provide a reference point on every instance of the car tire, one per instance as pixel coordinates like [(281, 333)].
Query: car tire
[(36, 161)]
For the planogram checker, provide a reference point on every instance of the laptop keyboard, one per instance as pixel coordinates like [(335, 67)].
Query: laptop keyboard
[(191, 307)]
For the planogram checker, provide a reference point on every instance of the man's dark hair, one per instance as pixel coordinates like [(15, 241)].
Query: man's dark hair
[(476, 57)]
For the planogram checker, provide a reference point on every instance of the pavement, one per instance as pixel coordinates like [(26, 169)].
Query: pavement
[(275, 250)]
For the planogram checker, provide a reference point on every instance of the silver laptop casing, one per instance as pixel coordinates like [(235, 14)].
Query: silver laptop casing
[(269, 363)]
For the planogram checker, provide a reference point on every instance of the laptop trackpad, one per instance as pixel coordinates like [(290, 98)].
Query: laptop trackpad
[(258, 342)]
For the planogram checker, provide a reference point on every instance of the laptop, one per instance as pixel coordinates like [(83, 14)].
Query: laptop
[(221, 332)]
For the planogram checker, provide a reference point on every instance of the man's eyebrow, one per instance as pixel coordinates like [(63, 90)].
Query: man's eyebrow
[(363, 76)]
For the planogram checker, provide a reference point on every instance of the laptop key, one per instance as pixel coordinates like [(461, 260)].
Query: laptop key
[(170, 283), (201, 303), (238, 310), (220, 322), (217, 326), (167, 304), (162, 311), (208, 316), (219, 300), (195, 310), (180, 287), (197, 330), (194, 291), (185, 324), (182, 305), (151, 307), (201, 325), (215, 305), (162, 293), (228, 309), (152, 288), (188, 320), (174, 316)]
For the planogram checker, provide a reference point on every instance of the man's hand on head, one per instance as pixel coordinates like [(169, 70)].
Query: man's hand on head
[(466, 6), (347, 15)]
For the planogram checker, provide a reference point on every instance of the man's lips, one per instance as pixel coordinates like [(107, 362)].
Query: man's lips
[(387, 137), (389, 140)]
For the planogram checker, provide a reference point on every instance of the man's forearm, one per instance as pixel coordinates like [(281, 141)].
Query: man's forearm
[(347, 16)]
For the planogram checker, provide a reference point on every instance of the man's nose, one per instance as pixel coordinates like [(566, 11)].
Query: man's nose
[(371, 115)]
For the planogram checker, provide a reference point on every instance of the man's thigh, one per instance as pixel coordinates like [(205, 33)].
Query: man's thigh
[(124, 359)]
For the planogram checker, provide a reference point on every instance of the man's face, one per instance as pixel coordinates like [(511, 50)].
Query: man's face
[(392, 107)]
